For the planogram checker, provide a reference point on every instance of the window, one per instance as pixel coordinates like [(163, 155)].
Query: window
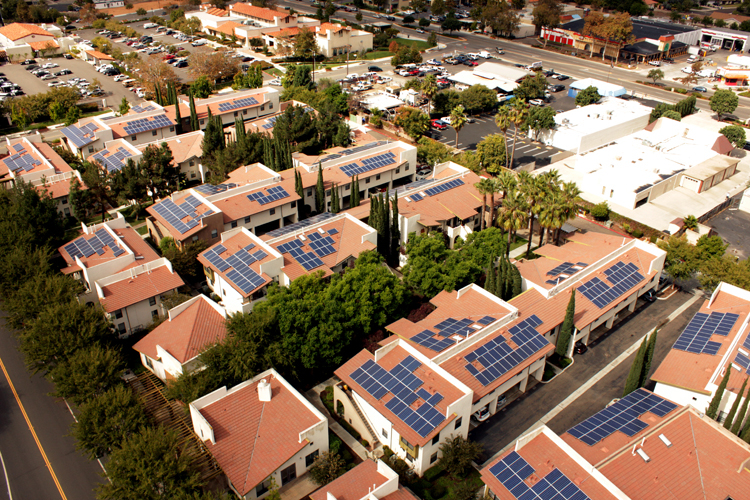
[(214, 233), (377, 177), (289, 474), (244, 111), (195, 238), (234, 224), (152, 301), (192, 163), (347, 187), (309, 459), (91, 149), (436, 439), (263, 107), (202, 121), (132, 137), (433, 458), (247, 220), (192, 175), (155, 314), (367, 181), (171, 129), (270, 105), (149, 363), (294, 204), (272, 211), (118, 314), (153, 132), (385, 434), (398, 170), (309, 192), (458, 422), (262, 488), (236, 114), (121, 328), (66, 211), (407, 167), (64, 200)]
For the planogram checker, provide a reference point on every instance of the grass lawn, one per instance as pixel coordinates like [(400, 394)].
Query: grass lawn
[(130, 216), (518, 243), (142, 229), (420, 44), (443, 486), (274, 72), (377, 54)]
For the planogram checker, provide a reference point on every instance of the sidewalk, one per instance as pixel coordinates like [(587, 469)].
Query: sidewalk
[(313, 395)]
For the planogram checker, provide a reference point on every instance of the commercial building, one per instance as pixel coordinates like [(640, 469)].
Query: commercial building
[(642, 447), (715, 338), (21, 40), (332, 39), (260, 429), (173, 347), (604, 89), (499, 77), (590, 127)]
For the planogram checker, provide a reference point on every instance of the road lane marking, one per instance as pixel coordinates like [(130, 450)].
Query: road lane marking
[(33, 432), (7, 481)]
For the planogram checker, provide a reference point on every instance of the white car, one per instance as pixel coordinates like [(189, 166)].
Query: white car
[(403, 72), (473, 56), (198, 43), (386, 79), (446, 119), (121, 77), (50, 65), (54, 84), (48, 77), (433, 62), (148, 26), (275, 81), (482, 414), (536, 102), (655, 63), (687, 69)]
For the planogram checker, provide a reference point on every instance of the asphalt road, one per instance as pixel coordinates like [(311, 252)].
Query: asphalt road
[(516, 418), (27, 472)]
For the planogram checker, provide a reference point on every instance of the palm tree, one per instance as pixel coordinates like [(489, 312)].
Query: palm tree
[(529, 190), (458, 120), (503, 183), (429, 89), (512, 215), (518, 113), (569, 194), (485, 187), (503, 122), (549, 185)]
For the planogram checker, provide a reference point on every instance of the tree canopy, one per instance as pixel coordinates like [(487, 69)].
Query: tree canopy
[(724, 102)]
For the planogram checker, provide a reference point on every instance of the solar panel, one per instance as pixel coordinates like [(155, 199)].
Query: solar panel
[(696, 336), (369, 164), (427, 339), (497, 357), (209, 189), (416, 197), (401, 382), (18, 147), (567, 268), (146, 124), (622, 416), (513, 470), (486, 320), (174, 214), (76, 136), (273, 194), (94, 244), (351, 151), (291, 228), (444, 187), (622, 276), (742, 361), (238, 103)]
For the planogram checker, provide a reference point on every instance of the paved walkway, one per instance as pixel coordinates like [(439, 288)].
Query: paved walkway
[(313, 395)]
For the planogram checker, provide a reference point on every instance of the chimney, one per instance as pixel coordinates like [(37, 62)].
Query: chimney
[(264, 391)]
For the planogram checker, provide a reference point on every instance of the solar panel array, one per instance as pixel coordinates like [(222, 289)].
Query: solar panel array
[(274, 193), (564, 271), (310, 221), (142, 109), (239, 103), (401, 382), (144, 124), (82, 247), (622, 276), (21, 161), (241, 274), (209, 189), (18, 148), (743, 362), (368, 164), (351, 151), (114, 161), (81, 136), (498, 358), (271, 122), (622, 416), (441, 340), (512, 471), (444, 187), (174, 213), (696, 336), (321, 244), (416, 197)]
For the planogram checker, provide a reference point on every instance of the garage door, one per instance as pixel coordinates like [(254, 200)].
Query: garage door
[(691, 184)]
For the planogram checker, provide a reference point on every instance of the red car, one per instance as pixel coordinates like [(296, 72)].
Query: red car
[(439, 124), (168, 57), (414, 72)]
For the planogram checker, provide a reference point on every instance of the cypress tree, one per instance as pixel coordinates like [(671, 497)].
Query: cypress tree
[(386, 225), (334, 199), (636, 368), (354, 197), (178, 119), (713, 408), (648, 358), (509, 278), (157, 96), (517, 280), (221, 139), (499, 279), (395, 231), (193, 114), (298, 184), (320, 192), (746, 432), (489, 284), (737, 426), (729, 422), (566, 330), (374, 213)]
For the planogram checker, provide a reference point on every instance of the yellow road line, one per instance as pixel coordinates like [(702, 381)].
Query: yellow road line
[(33, 432)]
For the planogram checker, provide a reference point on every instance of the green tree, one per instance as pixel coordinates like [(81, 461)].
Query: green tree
[(724, 102), (457, 455), (414, 122), (124, 106), (437, 7), (149, 465), (201, 87), (87, 373), (458, 120), (589, 95), (491, 153), (158, 170), (735, 134), (320, 192), (424, 22), (711, 247), (567, 328), (531, 87), (655, 74), (636, 369), (429, 88), (682, 258), (305, 45), (141, 11), (430, 151), (690, 222), (184, 261), (23, 306), (450, 24), (713, 408), (73, 115), (105, 421), (737, 425), (484, 187), (326, 468), (672, 115), (57, 111), (729, 421), (540, 118), (546, 14), (478, 99), (648, 358)]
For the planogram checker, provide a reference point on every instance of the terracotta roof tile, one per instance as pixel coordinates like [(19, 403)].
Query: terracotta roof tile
[(16, 31), (129, 291), (433, 382), (401, 494), (286, 32), (257, 12), (228, 28), (354, 485), (463, 202), (44, 44), (217, 12), (186, 335), (240, 206), (99, 55), (183, 147), (254, 438)]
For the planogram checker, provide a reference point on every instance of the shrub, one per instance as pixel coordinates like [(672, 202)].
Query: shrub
[(437, 491), (433, 473), (626, 227), (600, 211), (141, 11), (549, 372), (637, 233), (564, 362), (351, 430), (387, 452), (364, 443)]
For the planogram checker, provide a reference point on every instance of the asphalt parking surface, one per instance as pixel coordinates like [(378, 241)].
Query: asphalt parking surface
[(734, 228)]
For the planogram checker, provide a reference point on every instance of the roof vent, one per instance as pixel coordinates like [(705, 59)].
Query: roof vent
[(264, 391), (643, 455), (666, 441)]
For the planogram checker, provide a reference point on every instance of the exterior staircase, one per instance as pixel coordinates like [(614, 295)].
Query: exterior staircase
[(373, 435)]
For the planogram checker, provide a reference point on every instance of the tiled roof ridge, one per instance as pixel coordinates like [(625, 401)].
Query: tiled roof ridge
[(255, 442), (656, 428)]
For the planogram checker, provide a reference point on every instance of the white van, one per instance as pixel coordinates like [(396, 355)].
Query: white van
[(485, 54), (148, 26)]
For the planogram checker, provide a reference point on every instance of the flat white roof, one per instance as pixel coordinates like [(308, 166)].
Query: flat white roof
[(604, 88), (381, 101), (610, 112)]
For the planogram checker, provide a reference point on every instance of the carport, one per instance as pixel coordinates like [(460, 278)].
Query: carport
[(604, 88), (96, 57)]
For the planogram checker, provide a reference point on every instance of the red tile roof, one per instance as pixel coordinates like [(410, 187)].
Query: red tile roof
[(286, 32), (257, 12), (201, 209), (463, 202), (129, 291), (99, 55), (705, 461), (254, 438), (240, 206), (118, 127), (694, 371), (401, 494), (233, 245), (544, 455), (433, 382), (354, 485), (217, 12), (16, 31), (187, 334), (44, 44)]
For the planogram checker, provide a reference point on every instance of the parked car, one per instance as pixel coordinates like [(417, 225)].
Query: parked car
[(48, 77), (28, 61), (700, 89), (181, 64), (687, 69), (556, 88), (275, 81), (655, 63), (439, 124), (50, 65), (499, 50), (446, 119), (420, 30), (376, 69), (561, 77), (198, 43), (423, 173), (63, 72), (67, 56), (469, 62), (482, 414), (580, 347), (536, 102)]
